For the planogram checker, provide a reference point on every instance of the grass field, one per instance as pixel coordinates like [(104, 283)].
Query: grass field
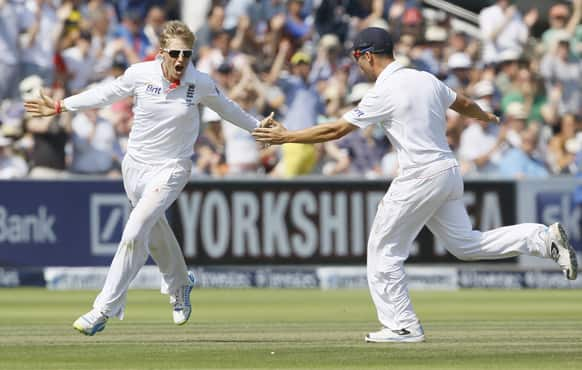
[(294, 329)]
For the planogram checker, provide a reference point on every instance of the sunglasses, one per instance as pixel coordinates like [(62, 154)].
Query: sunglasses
[(186, 53), (359, 52)]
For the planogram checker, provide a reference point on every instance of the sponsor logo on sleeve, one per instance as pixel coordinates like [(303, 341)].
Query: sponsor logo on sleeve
[(357, 112)]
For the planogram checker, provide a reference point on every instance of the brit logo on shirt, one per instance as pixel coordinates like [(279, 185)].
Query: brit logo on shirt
[(153, 90), (357, 112), (190, 95)]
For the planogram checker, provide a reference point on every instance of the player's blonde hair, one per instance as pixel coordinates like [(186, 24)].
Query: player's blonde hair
[(176, 29)]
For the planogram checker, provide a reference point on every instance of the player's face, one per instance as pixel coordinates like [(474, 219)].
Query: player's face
[(365, 62), (175, 58)]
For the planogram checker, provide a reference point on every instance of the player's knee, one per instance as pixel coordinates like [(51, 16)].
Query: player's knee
[(463, 255)]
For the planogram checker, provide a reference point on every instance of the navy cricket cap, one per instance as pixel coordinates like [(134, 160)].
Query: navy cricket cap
[(376, 38)]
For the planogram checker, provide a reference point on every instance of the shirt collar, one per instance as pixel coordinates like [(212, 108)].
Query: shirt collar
[(390, 69), (189, 76)]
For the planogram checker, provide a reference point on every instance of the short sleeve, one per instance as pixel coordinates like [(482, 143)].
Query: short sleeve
[(446, 95), (372, 109)]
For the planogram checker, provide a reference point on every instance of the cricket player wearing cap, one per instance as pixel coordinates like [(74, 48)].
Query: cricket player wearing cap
[(167, 94), (410, 106)]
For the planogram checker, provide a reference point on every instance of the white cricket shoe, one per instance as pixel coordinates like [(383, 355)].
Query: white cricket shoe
[(180, 300), (386, 335), (91, 323), (561, 251)]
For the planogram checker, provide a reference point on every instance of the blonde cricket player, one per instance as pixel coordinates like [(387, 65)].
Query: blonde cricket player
[(167, 94), (410, 105)]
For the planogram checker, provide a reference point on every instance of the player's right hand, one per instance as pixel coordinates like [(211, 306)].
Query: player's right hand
[(42, 107), (268, 121), (494, 118)]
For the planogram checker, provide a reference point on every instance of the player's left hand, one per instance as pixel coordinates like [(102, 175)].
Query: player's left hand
[(493, 118), (276, 133)]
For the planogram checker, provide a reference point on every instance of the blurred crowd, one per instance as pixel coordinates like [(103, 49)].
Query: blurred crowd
[(292, 57)]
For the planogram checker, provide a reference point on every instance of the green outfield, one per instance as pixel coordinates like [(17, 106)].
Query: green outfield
[(294, 329)]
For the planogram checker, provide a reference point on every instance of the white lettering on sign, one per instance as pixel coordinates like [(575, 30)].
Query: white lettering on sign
[(298, 224), (26, 228)]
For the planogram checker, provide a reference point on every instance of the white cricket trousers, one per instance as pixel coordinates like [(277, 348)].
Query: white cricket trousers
[(435, 201), (151, 190)]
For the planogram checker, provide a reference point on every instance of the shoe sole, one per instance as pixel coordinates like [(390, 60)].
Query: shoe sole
[(415, 339), (572, 272), (96, 330)]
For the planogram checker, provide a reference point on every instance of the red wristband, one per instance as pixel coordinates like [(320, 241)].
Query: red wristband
[(58, 107)]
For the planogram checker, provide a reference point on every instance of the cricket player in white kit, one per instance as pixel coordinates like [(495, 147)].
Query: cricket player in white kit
[(167, 95), (410, 105)]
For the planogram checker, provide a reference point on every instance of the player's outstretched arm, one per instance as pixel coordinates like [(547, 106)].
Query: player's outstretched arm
[(276, 133), (469, 108), (45, 106)]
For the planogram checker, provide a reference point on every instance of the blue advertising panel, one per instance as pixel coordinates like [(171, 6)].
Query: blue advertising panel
[(60, 223), (561, 206), (221, 222)]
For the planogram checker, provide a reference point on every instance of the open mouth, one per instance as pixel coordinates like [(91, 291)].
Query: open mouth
[(179, 68)]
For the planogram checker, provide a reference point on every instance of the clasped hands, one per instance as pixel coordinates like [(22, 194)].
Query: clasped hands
[(270, 131)]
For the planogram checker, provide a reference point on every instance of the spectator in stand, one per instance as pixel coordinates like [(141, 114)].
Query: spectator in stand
[(155, 19), (358, 153), (365, 150), (80, 62), (220, 53), (484, 94), (102, 46), (433, 53), (131, 31), (507, 69), (94, 145), (561, 158), (11, 165), (209, 150), (516, 117), (208, 31), (326, 61), (121, 116), (241, 150), (92, 7), (10, 58), (561, 27), (527, 88), (332, 17), (245, 39), (520, 162), (484, 157), (459, 65), (503, 28), (296, 28), (44, 24), (412, 23), (563, 70), (234, 11), (304, 105)]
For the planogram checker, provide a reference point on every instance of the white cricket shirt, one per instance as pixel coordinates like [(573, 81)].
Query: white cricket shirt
[(166, 120), (410, 106)]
